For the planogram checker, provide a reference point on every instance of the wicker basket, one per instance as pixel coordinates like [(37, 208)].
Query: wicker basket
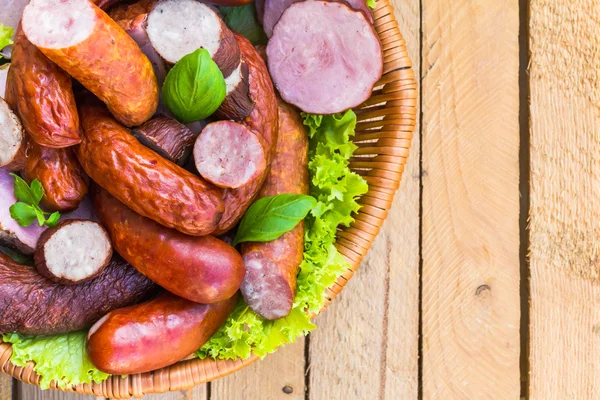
[(384, 132)]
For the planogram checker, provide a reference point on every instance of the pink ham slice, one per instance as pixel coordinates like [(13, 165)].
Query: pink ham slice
[(269, 11), (324, 57)]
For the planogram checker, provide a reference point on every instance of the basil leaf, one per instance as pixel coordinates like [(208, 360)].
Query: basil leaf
[(242, 19), (194, 88), (53, 219), (23, 213), (22, 190), (270, 217)]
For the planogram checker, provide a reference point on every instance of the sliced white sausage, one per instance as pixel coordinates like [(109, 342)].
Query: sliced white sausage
[(12, 137), (237, 104)]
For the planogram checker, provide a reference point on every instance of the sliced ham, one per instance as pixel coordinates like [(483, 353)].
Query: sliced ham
[(324, 57), (179, 27), (229, 154)]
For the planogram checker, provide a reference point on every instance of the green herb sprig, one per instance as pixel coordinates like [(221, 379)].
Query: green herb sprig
[(28, 208)]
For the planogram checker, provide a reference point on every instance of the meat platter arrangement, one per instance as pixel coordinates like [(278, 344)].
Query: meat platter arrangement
[(172, 176)]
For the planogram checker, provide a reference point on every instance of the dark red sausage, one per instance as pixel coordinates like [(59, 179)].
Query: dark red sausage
[(263, 121), (30, 304), (155, 334), (269, 286), (143, 180), (202, 269), (44, 96), (64, 181)]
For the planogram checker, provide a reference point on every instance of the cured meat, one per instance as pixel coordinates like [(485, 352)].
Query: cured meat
[(64, 181), (263, 121), (269, 285), (75, 35), (32, 305), (237, 104), (166, 136), (12, 138), (144, 181), (169, 327), (44, 96), (229, 155), (179, 27), (324, 57)]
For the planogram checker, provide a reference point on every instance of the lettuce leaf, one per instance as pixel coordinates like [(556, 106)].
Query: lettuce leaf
[(336, 189), (6, 33), (59, 358), (371, 4)]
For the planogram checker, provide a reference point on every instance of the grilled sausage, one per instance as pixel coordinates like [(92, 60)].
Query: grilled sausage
[(44, 96), (263, 121), (12, 138), (75, 35), (269, 286), (166, 136), (334, 76), (32, 305), (237, 104), (141, 179), (64, 181), (201, 269), (155, 334)]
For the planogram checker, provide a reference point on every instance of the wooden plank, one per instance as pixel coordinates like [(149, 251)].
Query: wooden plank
[(366, 346), (5, 387), (197, 393), (470, 233), (31, 392), (280, 376), (565, 200)]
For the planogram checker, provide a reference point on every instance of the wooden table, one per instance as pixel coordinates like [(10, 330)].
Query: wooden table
[(506, 163)]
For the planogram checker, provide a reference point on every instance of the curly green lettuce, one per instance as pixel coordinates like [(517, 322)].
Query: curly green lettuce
[(59, 358), (372, 4), (336, 189), (6, 33)]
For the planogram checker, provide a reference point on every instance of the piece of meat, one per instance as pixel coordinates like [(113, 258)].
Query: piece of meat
[(32, 305), (154, 335), (260, 10), (179, 27), (166, 136), (144, 181), (64, 181), (44, 96), (72, 252), (3, 78), (129, 11), (75, 35), (237, 104), (201, 269), (106, 4), (23, 238), (263, 121), (229, 154), (269, 285), (324, 57), (12, 138)]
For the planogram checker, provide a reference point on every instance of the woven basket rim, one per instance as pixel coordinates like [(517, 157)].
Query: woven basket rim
[(384, 132)]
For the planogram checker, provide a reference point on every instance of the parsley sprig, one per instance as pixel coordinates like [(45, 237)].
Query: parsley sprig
[(28, 208)]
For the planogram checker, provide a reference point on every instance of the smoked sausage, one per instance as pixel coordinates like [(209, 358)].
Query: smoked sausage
[(153, 335), (201, 269), (143, 180), (269, 285), (32, 305), (85, 42), (44, 96), (263, 121), (64, 181), (12, 138)]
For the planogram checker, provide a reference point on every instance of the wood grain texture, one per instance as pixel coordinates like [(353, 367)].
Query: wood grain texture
[(268, 379), (470, 274), (197, 393), (565, 199), (5, 387), (32, 392), (366, 344)]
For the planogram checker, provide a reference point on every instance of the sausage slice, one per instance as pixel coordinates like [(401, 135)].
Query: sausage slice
[(229, 154), (11, 137), (74, 251), (237, 104), (179, 27), (166, 136), (76, 34), (324, 57)]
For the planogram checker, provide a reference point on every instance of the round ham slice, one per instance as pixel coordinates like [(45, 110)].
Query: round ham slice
[(229, 154), (324, 57)]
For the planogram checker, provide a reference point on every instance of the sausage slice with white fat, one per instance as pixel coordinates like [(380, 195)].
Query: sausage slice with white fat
[(229, 154), (74, 251), (11, 138), (237, 104), (179, 27), (324, 57)]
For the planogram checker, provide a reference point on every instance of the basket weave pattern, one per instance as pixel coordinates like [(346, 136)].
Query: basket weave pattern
[(384, 132)]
